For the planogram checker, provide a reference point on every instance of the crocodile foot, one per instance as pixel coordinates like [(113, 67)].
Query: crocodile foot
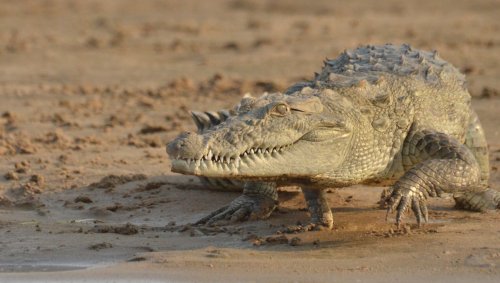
[(317, 203), (403, 199), (322, 219), (242, 208)]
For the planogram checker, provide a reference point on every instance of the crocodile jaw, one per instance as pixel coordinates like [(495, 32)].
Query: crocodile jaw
[(296, 160), (244, 164)]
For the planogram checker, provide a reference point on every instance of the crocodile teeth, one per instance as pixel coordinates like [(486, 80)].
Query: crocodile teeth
[(253, 157), (210, 154)]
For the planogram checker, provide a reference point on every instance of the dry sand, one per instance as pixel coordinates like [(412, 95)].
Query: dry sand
[(92, 90)]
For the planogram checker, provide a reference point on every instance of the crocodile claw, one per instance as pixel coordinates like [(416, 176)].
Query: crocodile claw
[(242, 208), (401, 201)]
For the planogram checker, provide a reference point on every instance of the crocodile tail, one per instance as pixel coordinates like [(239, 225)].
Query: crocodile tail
[(478, 200), (207, 120)]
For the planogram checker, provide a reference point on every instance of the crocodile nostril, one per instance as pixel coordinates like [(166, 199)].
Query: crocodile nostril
[(185, 146)]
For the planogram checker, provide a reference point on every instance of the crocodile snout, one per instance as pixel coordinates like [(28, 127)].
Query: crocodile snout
[(186, 146)]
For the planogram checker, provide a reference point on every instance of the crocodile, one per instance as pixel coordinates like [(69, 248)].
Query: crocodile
[(387, 114)]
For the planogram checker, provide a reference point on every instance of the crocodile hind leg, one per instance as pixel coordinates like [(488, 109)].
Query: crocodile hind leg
[(439, 164), (258, 201), (475, 140), (318, 207)]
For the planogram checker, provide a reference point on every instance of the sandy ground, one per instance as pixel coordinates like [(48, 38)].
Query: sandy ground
[(92, 90)]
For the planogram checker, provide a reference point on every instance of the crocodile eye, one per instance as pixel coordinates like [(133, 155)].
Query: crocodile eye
[(280, 109)]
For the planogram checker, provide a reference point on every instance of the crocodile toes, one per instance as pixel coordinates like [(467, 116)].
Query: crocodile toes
[(242, 208), (324, 219), (402, 201)]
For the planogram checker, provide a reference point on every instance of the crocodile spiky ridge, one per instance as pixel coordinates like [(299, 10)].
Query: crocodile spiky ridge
[(371, 61), (374, 114)]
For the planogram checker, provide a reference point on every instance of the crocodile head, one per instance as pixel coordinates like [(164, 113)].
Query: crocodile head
[(269, 138)]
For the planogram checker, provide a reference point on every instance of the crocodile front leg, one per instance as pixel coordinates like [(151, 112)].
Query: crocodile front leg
[(439, 164), (318, 207), (258, 201)]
